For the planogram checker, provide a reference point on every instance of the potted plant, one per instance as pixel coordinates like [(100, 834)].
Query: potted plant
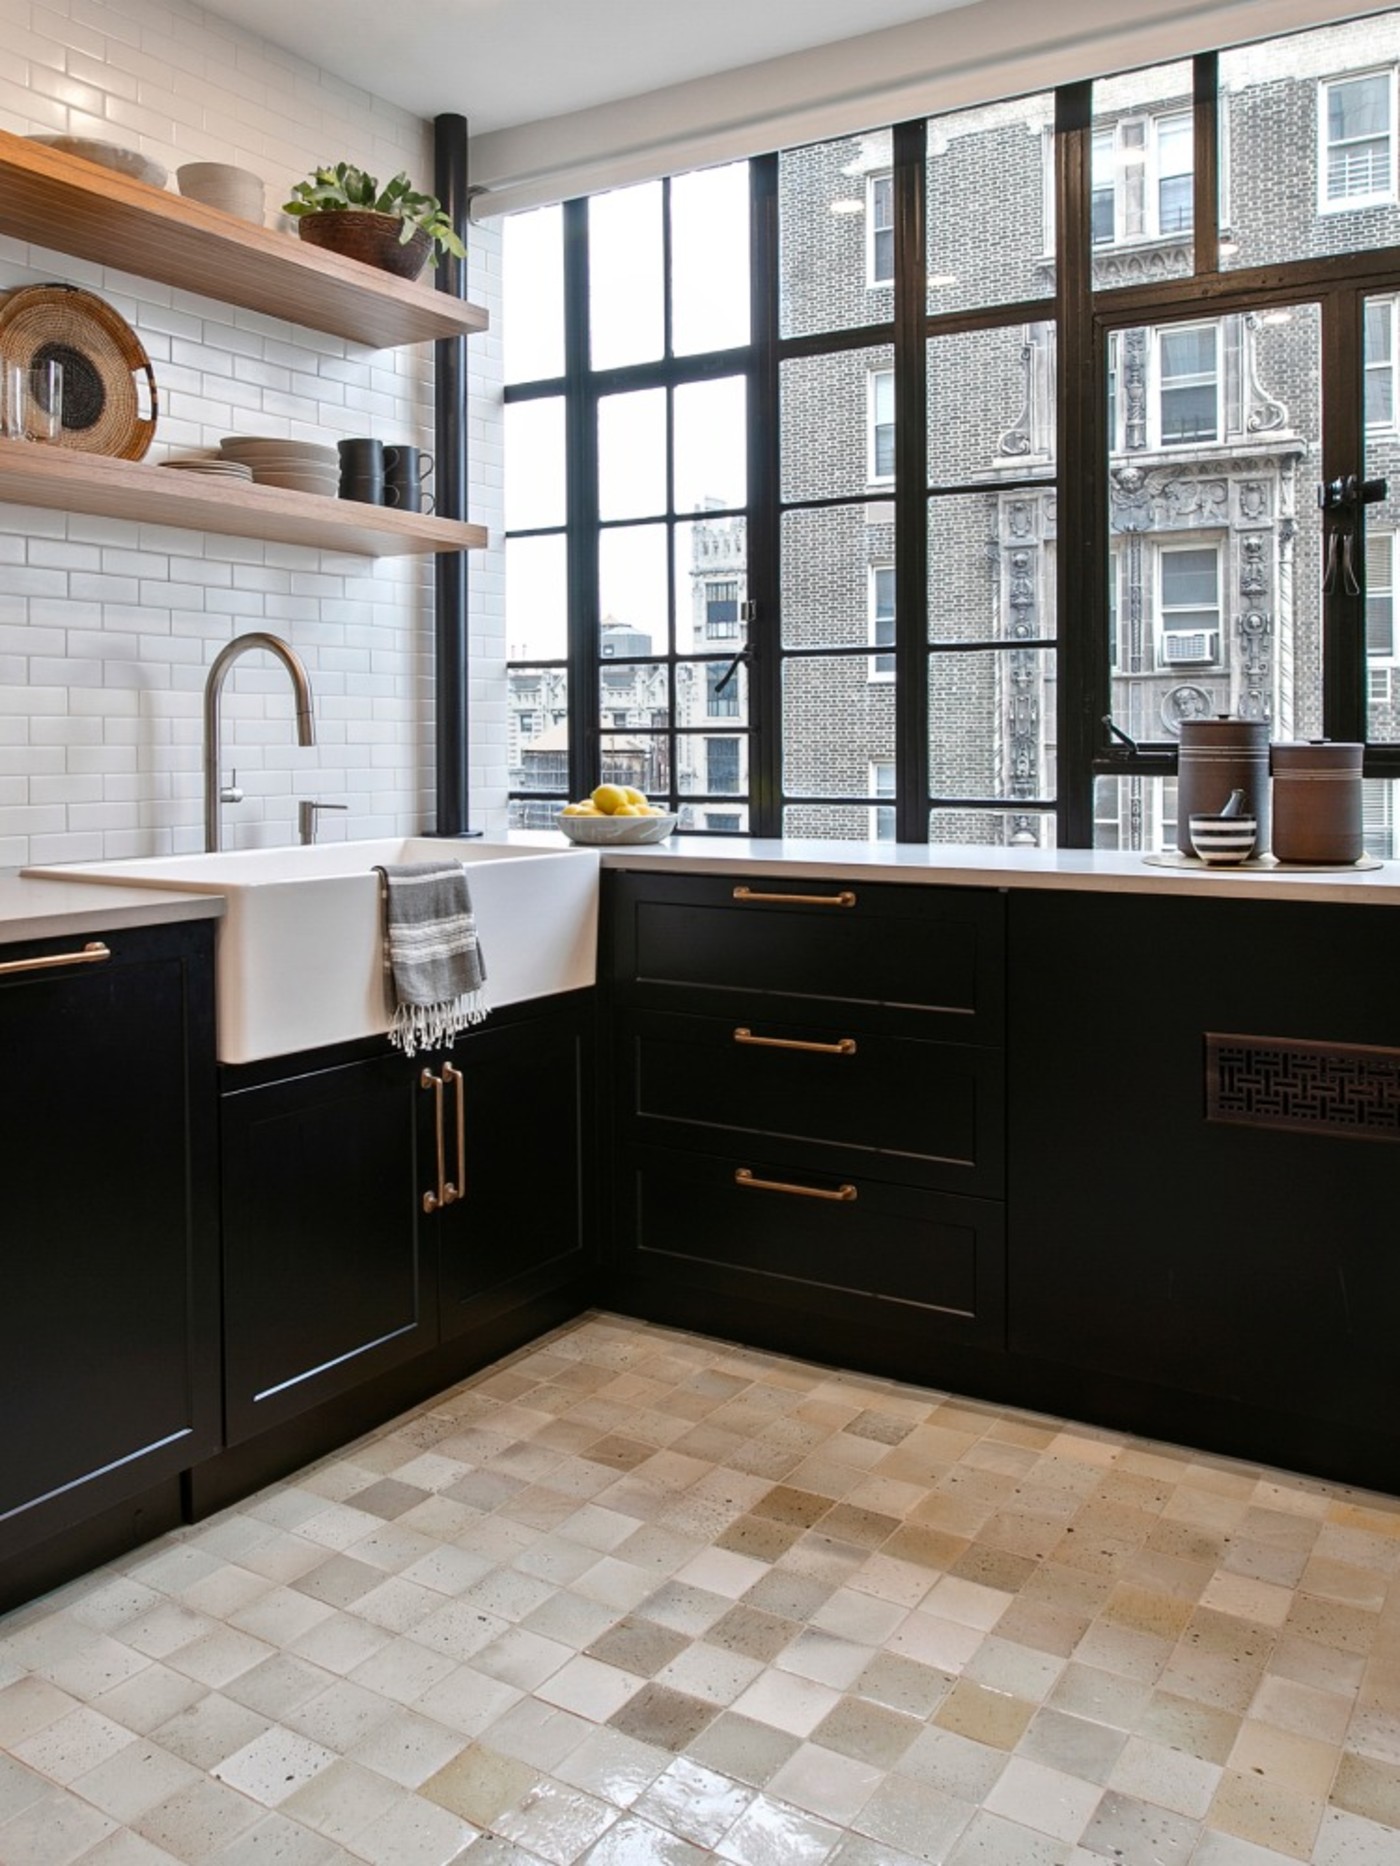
[(395, 227)]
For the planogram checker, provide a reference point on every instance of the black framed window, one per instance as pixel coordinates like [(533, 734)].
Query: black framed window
[(822, 544)]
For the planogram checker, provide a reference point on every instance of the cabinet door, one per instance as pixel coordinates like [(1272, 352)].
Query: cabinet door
[(518, 1226), (1254, 1263), (109, 1319), (325, 1283)]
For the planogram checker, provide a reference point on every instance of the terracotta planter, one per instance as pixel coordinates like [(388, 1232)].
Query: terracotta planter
[(371, 238)]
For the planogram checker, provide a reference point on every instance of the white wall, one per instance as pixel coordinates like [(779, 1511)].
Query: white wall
[(106, 628)]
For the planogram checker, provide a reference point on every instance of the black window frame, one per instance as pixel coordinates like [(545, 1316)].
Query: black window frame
[(1083, 316)]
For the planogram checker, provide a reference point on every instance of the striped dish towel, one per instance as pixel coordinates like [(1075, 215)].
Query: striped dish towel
[(432, 960)]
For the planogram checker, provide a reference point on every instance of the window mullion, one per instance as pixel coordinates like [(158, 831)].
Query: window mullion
[(764, 634), (1205, 205), (1081, 456), (911, 484), (1344, 453), (581, 448)]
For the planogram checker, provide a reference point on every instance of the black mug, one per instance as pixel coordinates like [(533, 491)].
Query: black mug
[(405, 468), (362, 471)]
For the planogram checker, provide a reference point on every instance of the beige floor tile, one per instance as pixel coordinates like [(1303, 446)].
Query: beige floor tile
[(478, 1784), (985, 1716), (1271, 1814)]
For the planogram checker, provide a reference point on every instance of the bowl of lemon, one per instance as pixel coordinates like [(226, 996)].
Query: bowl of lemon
[(616, 813)]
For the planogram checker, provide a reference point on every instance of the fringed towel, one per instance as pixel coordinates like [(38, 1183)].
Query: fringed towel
[(432, 959)]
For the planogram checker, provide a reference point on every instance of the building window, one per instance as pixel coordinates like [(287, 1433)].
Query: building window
[(1380, 599), (1357, 161), (881, 666), (881, 435), (1188, 604), (721, 766), (722, 608), (1188, 369), (526, 722), (724, 820), (721, 705), (882, 785), (879, 223), (1380, 362), (1142, 178)]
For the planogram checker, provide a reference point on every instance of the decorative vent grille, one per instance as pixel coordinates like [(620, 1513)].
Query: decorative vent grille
[(1350, 1090)]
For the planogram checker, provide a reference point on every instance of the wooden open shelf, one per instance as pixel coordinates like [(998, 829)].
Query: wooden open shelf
[(32, 473), (73, 206)]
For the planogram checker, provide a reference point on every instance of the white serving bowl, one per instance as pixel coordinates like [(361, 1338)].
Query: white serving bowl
[(121, 161), (602, 830), (235, 191)]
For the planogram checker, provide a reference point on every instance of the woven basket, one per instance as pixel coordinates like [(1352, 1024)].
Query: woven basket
[(102, 359), (370, 238)]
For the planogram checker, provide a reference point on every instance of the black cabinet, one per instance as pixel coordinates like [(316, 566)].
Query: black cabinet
[(520, 1218), (109, 1322), (1187, 1253), (810, 1109), (375, 1206), (326, 1281)]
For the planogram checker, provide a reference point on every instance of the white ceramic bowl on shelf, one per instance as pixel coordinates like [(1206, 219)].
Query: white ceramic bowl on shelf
[(600, 831), (234, 190)]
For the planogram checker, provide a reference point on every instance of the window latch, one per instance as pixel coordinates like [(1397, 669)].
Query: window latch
[(1343, 495)]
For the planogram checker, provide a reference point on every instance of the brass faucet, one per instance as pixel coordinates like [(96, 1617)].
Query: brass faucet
[(213, 691)]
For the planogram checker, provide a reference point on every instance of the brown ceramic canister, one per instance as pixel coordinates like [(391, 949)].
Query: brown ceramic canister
[(1317, 801), (1218, 756)]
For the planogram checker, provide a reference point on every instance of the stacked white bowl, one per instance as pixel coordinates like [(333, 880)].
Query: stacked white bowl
[(296, 466), (219, 184)]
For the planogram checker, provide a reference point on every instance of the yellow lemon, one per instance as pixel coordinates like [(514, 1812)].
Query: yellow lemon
[(633, 795), (609, 798), (629, 809)]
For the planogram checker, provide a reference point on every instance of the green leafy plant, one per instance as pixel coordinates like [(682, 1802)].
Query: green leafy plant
[(347, 189)]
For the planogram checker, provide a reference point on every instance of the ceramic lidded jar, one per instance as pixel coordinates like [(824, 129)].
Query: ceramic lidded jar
[(1317, 801), (1218, 756)]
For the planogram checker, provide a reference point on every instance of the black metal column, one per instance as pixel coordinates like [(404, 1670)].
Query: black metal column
[(450, 633)]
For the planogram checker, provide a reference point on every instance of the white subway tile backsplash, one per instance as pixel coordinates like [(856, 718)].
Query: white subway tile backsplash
[(106, 628)]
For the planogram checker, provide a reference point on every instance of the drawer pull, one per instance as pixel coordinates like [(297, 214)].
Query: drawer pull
[(846, 898), (92, 954), (843, 1195), (843, 1046)]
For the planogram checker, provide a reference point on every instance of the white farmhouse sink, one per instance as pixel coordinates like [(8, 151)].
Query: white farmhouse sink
[(300, 954)]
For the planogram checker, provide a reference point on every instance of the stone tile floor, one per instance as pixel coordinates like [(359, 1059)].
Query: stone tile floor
[(638, 1598)]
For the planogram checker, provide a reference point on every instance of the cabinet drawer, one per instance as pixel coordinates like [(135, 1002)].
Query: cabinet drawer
[(848, 1101), (752, 1226), (903, 954)]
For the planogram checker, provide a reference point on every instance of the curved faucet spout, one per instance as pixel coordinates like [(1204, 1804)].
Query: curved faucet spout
[(213, 692)]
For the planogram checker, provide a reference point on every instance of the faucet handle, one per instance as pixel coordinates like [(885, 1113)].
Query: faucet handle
[(306, 817), (230, 792)]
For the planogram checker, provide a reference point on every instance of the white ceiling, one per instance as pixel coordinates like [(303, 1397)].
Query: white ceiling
[(506, 62)]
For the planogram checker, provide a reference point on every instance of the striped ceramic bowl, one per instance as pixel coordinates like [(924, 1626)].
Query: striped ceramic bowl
[(1224, 839)]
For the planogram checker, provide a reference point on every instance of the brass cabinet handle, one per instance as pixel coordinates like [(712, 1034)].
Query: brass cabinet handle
[(845, 898), (843, 1195), (434, 1201), (457, 1188), (843, 1046), (92, 954)]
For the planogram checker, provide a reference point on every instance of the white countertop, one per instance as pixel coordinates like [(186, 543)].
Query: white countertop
[(951, 865), (39, 908), (33, 909)]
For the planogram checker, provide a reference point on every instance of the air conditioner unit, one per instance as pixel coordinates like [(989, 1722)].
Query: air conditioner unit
[(1181, 647)]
